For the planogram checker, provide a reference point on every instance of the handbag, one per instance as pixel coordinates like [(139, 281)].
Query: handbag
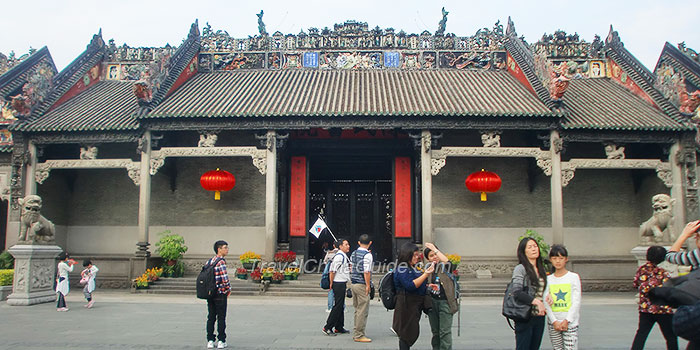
[(512, 309), (348, 293)]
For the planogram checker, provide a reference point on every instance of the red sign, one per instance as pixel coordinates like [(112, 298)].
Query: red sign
[(402, 197), (297, 198)]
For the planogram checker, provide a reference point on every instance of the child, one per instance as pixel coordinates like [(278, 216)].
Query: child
[(563, 293), (647, 278), (88, 276), (65, 266)]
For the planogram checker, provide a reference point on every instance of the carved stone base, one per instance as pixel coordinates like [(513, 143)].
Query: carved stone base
[(35, 268)]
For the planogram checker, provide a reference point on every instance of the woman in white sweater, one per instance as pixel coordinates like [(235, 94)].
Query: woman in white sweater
[(563, 296)]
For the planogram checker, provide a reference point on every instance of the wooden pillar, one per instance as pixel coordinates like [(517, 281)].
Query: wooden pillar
[(426, 187), (271, 196), (30, 180), (144, 196), (555, 147)]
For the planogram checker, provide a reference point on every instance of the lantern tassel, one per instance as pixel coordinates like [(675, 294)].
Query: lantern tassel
[(483, 196), (217, 195)]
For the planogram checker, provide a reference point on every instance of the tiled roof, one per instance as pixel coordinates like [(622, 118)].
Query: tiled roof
[(259, 93), (107, 105), (676, 58), (604, 104)]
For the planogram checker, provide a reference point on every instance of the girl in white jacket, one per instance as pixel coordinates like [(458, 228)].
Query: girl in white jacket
[(563, 301), (88, 277), (65, 266)]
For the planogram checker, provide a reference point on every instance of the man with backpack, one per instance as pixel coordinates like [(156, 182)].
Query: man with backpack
[(217, 303), (339, 275), (362, 262)]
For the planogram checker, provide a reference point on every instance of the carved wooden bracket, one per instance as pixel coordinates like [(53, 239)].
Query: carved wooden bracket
[(259, 156), (43, 169), (663, 169), (544, 158)]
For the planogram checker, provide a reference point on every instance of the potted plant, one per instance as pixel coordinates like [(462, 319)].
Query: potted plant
[(249, 260), (256, 276), (455, 272), (283, 259), (241, 273), (267, 273), (141, 282), (291, 273), (171, 247), (454, 259), (6, 279), (277, 277)]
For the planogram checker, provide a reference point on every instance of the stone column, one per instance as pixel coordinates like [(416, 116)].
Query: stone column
[(144, 196), (271, 196), (555, 147), (677, 191), (426, 186), (35, 271), (30, 180)]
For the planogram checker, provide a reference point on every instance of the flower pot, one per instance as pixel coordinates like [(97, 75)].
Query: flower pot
[(294, 277), (242, 276), (276, 281), (457, 278), (267, 278), (288, 277), (255, 280), (142, 287)]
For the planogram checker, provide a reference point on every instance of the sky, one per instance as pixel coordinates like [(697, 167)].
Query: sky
[(66, 26)]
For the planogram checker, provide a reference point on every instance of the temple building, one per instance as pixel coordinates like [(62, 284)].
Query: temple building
[(374, 129)]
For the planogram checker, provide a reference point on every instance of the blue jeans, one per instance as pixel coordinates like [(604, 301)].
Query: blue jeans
[(528, 334)]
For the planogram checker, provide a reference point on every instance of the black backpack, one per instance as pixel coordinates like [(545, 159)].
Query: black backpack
[(206, 281), (387, 291)]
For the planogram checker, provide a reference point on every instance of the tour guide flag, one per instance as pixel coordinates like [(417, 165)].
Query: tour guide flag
[(318, 227)]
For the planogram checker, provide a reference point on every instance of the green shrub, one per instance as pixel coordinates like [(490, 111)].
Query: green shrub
[(6, 277), (6, 260), (171, 246)]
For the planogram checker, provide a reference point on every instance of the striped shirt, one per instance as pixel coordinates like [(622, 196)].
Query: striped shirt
[(686, 258), (223, 286)]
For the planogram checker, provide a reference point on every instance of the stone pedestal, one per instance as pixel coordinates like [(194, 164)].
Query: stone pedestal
[(483, 273), (35, 271)]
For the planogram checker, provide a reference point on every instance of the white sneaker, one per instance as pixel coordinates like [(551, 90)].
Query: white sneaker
[(222, 344), (328, 311), (210, 344)]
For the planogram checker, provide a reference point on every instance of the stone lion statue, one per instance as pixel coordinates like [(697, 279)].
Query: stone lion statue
[(89, 152), (207, 140), (33, 226), (653, 230), (491, 139), (614, 151)]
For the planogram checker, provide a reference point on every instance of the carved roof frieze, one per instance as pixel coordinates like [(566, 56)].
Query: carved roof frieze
[(351, 45), (259, 156)]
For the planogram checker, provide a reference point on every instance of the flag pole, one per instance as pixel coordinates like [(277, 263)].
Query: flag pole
[(328, 227)]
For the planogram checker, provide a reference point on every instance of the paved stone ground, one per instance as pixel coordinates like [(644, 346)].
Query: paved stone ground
[(121, 320)]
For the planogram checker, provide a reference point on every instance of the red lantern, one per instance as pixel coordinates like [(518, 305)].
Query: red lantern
[(483, 181), (217, 180)]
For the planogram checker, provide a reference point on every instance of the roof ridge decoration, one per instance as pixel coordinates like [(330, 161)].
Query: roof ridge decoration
[(625, 66), (73, 73), (353, 45), (165, 70), (525, 60), (678, 79), (26, 85)]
